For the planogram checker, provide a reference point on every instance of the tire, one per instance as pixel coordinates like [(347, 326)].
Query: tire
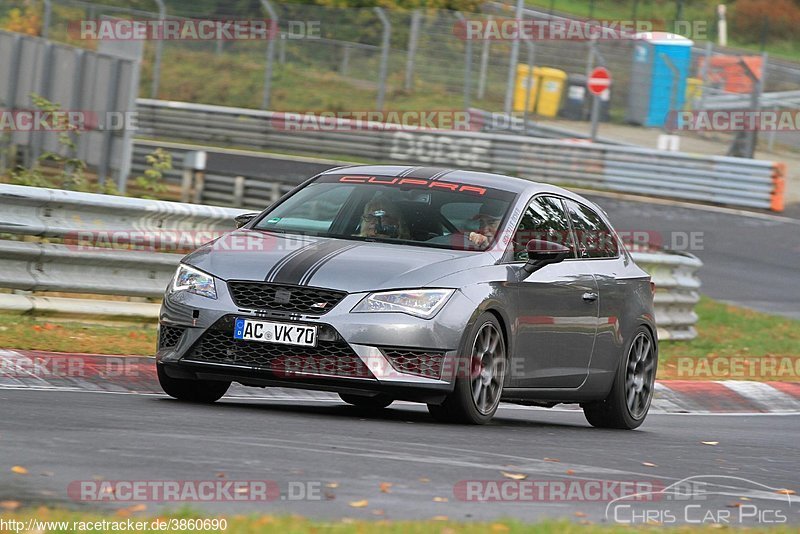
[(480, 378), (362, 401), (198, 391), (629, 400)]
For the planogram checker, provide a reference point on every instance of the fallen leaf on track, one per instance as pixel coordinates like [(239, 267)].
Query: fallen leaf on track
[(386, 487), (514, 476), (359, 504), (785, 492), (332, 485), (648, 464), (18, 469), (9, 505), (440, 499), (552, 460), (710, 442)]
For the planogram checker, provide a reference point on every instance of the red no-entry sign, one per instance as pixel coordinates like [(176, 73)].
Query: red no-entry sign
[(599, 80)]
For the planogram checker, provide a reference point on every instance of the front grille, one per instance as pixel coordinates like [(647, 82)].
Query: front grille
[(329, 358), (415, 362), (298, 299), (169, 336)]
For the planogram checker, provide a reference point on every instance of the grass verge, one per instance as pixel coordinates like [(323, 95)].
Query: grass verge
[(27, 332), (73, 521), (743, 342)]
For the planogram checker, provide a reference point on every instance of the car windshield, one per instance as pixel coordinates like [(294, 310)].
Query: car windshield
[(440, 214)]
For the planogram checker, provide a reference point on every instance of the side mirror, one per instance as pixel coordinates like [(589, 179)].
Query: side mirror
[(541, 253), (244, 218)]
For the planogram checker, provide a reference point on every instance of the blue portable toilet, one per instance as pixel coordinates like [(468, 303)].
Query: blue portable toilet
[(653, 86)]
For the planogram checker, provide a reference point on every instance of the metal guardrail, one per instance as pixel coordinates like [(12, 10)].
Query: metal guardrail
[(502, 122), (734, 101), (72, 266), (716, 179), (237, 178), (677, 291)]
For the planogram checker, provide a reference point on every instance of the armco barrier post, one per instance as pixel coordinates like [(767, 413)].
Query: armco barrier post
[(194, 163)]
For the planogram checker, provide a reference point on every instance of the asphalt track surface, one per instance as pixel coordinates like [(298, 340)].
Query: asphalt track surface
[(750, 259), (65, 436)]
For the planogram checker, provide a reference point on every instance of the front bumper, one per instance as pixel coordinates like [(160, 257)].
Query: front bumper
[(357, 352)]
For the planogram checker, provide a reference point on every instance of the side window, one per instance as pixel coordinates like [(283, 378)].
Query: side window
[(594, 238), (544, 220)]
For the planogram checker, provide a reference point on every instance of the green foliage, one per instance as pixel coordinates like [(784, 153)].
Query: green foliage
[(151, 181), (70, 169)]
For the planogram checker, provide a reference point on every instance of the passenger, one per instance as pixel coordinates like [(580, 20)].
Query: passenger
[(382, 219)]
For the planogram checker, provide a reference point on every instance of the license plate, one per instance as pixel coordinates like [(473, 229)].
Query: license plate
[(269, 332)]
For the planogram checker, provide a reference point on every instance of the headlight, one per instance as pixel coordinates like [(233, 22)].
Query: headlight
[(420, 302), (194, 281)]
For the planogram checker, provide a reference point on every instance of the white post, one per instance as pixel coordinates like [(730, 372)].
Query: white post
[(722, 26)]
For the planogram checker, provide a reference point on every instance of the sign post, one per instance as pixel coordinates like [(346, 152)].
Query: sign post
[(599, 81)]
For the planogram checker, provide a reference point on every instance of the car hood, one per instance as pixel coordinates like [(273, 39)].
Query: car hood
[(346, 265)]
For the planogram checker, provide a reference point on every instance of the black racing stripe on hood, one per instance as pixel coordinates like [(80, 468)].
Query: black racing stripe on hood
[(294, 270), (306, 280), (280, 263)]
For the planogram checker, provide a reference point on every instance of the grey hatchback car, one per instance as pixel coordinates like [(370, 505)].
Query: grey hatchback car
[(454, 288)]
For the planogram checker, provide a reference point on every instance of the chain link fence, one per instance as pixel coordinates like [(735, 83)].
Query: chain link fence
[(345, 59)]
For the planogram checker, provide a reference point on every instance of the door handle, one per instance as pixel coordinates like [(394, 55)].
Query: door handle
[(589, 297)]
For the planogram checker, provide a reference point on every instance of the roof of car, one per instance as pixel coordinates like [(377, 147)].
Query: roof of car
[(485, 179)]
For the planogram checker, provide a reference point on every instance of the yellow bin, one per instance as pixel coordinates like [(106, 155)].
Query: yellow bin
[(550, 88), (526, 83), (545, 86)]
